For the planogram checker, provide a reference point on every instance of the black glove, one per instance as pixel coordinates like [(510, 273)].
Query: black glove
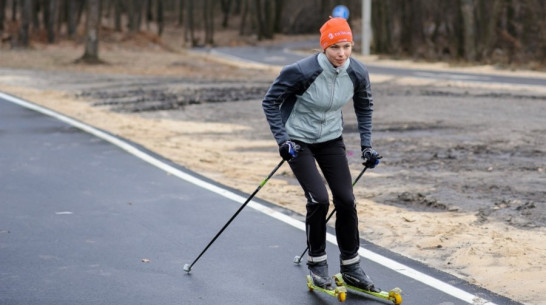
[(370, 157), (289, 150)]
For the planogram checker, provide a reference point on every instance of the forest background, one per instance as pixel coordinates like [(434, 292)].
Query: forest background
[(506, 33)]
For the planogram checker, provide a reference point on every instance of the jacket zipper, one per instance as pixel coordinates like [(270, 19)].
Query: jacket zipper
[(331, 102)]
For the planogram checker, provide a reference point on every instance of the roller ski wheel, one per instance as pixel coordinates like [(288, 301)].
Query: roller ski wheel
[(340, 293), (394, 295)]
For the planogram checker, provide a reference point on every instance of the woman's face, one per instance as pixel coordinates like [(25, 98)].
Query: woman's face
[(338, 53)]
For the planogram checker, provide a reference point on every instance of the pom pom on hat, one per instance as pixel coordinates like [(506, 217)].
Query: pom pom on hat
[(335, 30)]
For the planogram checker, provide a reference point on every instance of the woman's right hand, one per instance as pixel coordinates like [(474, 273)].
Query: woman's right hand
[(289, 150)]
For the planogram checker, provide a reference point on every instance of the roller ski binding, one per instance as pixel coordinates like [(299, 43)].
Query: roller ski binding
[(353, 278), (318, 279)]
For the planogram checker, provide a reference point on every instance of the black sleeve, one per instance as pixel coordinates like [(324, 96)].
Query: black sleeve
[(281, 91), (363, 103)]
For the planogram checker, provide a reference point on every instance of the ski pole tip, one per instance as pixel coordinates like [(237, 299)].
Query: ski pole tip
[(187, 268)]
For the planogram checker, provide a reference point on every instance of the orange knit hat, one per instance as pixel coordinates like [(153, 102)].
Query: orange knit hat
[(333, 31)]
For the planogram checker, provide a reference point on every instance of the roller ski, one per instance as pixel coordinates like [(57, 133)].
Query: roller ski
[(340, 292), (318, 279), (357, 280)]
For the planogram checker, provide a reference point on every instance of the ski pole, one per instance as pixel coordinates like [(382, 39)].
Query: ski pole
[(298, 258), (187, 267)]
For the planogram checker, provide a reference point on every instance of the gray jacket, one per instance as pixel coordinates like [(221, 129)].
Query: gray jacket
[(304, 102)]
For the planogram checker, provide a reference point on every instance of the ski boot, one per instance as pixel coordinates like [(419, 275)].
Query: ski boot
[(354, 278), (319, 274), (318, 279)]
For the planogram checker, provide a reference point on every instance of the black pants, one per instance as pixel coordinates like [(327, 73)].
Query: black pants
[(332, 159)]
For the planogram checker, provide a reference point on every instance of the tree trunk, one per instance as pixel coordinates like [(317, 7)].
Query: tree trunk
[(138, 14), (189, 31), (62, 15), (382, 27), (35, 18), (208, 17), (72, 18), (80, 4), (244, 14), (260, 19), (238, 7), (324, 8), (118, 9), (131, 15), (405, 35), (52, 16), (149, 14), (45, 13), (269, 19), (92, 26), (489, 16), (417, 28), (14, 10), (226, 8), (159, 17), (277, 20), (469, 35), (2, 13), (181, 12), (26, 15)]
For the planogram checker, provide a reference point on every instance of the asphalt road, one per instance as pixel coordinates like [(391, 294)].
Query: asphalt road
[(281, 55), (87, 218)]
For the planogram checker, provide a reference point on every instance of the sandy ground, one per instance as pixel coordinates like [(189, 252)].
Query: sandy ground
[(461, 187)]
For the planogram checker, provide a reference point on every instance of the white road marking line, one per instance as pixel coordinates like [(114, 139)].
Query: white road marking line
[(377, 258), (64, 213)]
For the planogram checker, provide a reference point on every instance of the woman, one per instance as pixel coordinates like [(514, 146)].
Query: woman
[(303, 109)]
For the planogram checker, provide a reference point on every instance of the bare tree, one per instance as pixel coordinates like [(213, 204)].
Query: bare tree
[(264, 11), (134, 14), (14, 10), (180, 12), (160, 19), (383, 28), (118, 10), (237, 7), (488, 16), (2, 13), (469, 36), (149, 13), (208, 18), (50, 22), (36, 7), (26, 15), (92, 27), (189, 29), (130, 15), (62, 15), (490, 31), (72, 18), (226, 8), (277, 18), (244, 13)]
